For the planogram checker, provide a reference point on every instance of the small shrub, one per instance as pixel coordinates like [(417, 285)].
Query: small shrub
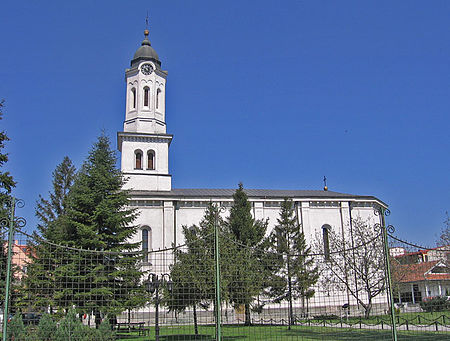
[(46, 328), (435, 304), (71, 328), (16, 328), (31, 334), (105, 332), (396, 311)]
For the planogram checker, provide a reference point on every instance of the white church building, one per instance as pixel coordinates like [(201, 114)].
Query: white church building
[(144, 145)]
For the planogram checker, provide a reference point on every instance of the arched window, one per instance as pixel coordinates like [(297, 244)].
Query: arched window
[(150, 159), (133, 98), (146, 96), (158, 95), (326, 241), (138, 161), (145, 242)]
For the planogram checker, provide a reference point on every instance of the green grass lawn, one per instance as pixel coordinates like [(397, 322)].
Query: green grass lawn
[(282, 333)]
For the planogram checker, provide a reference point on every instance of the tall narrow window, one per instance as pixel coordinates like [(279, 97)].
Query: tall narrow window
[(133, 98), (146, 96), (158, 95), (326, 241), (145, 243), (151, 159), (138, 164)]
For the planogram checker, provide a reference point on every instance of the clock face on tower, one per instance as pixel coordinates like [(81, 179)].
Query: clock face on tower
[(147, 69)]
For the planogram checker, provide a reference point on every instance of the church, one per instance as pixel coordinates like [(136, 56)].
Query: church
[(144, 145)]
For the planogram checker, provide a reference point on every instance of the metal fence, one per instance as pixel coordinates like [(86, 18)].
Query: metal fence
[(213, 288)]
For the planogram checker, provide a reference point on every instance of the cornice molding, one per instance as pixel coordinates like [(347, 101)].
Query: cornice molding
[(142, 137)]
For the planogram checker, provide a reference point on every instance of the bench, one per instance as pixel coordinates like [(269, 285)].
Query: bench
[(132, 326)]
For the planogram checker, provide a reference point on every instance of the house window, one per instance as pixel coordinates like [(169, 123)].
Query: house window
[(138, 160), (326, 241), (158, 95), (146, 96), (150, 159), (133, 98), (145, 243)]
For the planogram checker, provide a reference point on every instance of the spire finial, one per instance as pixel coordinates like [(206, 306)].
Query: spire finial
[(325, 187), (146, 26)]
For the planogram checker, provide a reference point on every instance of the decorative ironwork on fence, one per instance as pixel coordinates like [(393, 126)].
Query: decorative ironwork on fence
[(213, 287)]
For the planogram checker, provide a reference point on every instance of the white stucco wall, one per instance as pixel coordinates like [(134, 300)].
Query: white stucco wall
[(311, 218)]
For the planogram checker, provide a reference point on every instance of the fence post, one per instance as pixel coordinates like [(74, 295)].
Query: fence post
[(217, 266), (388, 272), (8, 269)]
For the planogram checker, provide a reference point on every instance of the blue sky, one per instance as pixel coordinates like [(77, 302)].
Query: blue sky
[(275, 95)]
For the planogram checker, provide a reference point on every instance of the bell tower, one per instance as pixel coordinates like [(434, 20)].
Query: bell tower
[(144, 143)]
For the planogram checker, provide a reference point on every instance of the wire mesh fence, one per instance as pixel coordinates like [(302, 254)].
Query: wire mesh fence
[(420, 286), (213, 287)]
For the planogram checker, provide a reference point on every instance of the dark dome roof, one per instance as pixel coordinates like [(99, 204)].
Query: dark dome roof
[(145, 52)]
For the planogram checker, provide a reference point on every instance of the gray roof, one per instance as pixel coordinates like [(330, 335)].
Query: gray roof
[(145, 52), (251, 193)]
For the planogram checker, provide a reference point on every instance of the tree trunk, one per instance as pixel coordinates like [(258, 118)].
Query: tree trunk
[(195, 320), (303, 305), (248, 321), (129, 316), (291, 312), (367, 309), (98, 319)]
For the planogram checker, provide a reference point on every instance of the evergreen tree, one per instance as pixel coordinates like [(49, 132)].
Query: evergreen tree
[(45, 257), (193, 272), (7, 183), (98, 218), (50, 211), (294, 273), (248, 233)]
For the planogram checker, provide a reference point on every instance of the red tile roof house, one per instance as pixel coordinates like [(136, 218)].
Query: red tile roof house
[(413, 283)]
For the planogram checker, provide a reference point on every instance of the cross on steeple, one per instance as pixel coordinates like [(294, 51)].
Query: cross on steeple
[(325, 187)]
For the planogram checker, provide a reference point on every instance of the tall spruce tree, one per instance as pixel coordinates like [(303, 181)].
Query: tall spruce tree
[(193, 272), (50, 211), (98, 218), (248, 233), (45, 258), (295, 272), (7, 183)]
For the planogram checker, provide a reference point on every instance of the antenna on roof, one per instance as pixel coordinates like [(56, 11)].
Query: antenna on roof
[(325, 188)]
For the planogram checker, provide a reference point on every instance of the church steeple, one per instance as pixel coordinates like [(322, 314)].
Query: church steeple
[(145, 109), (145, 52), (144, 143)]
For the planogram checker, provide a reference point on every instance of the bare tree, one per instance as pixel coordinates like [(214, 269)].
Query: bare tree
[(359, 270), (444, 238), (399, 272)]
